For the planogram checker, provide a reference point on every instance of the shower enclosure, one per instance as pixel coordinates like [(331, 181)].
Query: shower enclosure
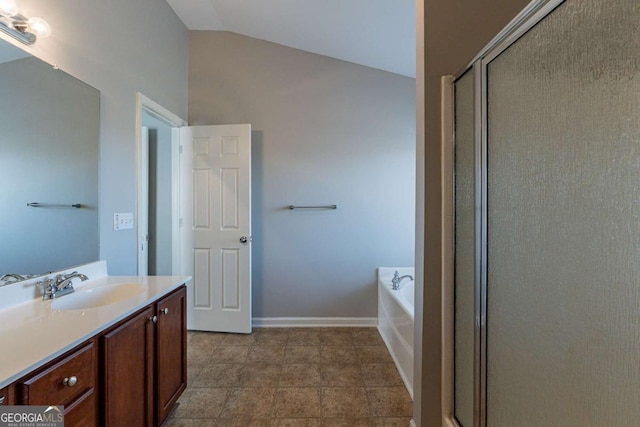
[(547, 221)]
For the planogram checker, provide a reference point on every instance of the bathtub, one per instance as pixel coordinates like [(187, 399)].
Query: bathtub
[(395, 320)]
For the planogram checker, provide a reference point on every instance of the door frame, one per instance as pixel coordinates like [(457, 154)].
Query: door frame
[(144, 103), (143, 209)]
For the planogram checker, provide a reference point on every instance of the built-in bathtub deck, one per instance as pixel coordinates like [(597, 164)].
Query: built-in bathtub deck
[(395, 320)]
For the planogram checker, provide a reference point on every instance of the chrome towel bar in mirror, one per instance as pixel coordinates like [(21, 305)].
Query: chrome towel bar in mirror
[(53, 205), (292, 207)]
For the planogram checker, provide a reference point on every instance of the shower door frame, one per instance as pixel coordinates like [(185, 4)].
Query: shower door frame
[(535, 12)]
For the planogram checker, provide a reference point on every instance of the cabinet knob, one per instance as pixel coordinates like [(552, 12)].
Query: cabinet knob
[(164, 311), (70, 382), (154, 319), (2, 399)]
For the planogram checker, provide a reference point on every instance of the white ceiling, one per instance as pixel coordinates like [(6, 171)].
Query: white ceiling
[(376, 33)]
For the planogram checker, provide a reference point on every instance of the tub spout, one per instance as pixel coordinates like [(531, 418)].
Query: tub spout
[(397, 279)]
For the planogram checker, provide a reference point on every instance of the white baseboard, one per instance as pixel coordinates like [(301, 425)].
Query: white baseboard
[(313, 322), (412, 423)]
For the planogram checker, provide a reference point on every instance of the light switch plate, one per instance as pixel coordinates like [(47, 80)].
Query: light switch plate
[(122, 221)]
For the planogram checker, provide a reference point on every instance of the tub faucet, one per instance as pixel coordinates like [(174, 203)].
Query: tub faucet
[(61, 285), (397, 279)]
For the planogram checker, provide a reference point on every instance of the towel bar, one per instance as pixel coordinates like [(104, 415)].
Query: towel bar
[(49, 205), (292, 207)]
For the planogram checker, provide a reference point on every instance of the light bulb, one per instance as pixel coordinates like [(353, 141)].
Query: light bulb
[(39, 27), (8, 8)]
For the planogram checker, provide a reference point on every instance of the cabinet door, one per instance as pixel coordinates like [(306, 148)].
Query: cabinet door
[(7, 396), (127, 374), (171, 347)]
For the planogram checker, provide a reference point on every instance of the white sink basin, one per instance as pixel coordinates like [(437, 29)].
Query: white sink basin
[(98, 297)]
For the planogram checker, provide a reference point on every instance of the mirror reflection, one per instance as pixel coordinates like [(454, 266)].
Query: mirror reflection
[(49, 143)]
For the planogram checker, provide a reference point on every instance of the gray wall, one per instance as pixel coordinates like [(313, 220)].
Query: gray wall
[(160, 212), (324, 131), (119, 47), (450, 33), (49, 148)]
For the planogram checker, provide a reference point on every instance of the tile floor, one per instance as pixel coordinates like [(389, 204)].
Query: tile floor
[(295, 377)]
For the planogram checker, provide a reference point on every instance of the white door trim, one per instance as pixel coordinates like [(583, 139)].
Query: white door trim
[(144, 103), (176, 229), (143, 208)]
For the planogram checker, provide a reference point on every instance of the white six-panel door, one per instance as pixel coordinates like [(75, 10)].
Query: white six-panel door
[(217, 230)]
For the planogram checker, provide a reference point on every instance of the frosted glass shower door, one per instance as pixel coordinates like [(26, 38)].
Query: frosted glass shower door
[(563, 269), (464, 255)]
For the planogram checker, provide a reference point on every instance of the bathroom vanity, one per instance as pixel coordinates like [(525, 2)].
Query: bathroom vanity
[(113, 352), (143, 363)]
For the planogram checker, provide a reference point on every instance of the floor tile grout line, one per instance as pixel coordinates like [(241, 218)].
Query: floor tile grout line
[(366, 395), (282, 363), (321, 405), (224, 405)]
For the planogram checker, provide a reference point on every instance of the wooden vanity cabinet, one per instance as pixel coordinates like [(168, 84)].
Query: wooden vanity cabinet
[(171, 352), (7, 395), (143, 362), (127, 366), (70, 380), (131, 374)]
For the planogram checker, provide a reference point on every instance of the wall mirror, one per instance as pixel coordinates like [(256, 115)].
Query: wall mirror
[(49, 145)]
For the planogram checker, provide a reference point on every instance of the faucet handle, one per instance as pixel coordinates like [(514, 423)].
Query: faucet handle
[(47, 287), (46, 283), (395, 282)]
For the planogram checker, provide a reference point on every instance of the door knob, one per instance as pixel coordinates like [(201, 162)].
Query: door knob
[(244, 239)]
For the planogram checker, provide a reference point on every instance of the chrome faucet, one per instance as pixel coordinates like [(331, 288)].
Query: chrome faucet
[(13, 277), (61, 285), (397, 279)]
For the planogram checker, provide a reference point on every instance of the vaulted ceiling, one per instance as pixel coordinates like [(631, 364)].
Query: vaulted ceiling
[(374, 33)]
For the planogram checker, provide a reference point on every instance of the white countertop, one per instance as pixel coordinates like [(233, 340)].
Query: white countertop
[(32, 333)]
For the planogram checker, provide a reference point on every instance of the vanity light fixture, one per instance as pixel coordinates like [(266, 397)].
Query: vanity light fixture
[(27, 30)]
